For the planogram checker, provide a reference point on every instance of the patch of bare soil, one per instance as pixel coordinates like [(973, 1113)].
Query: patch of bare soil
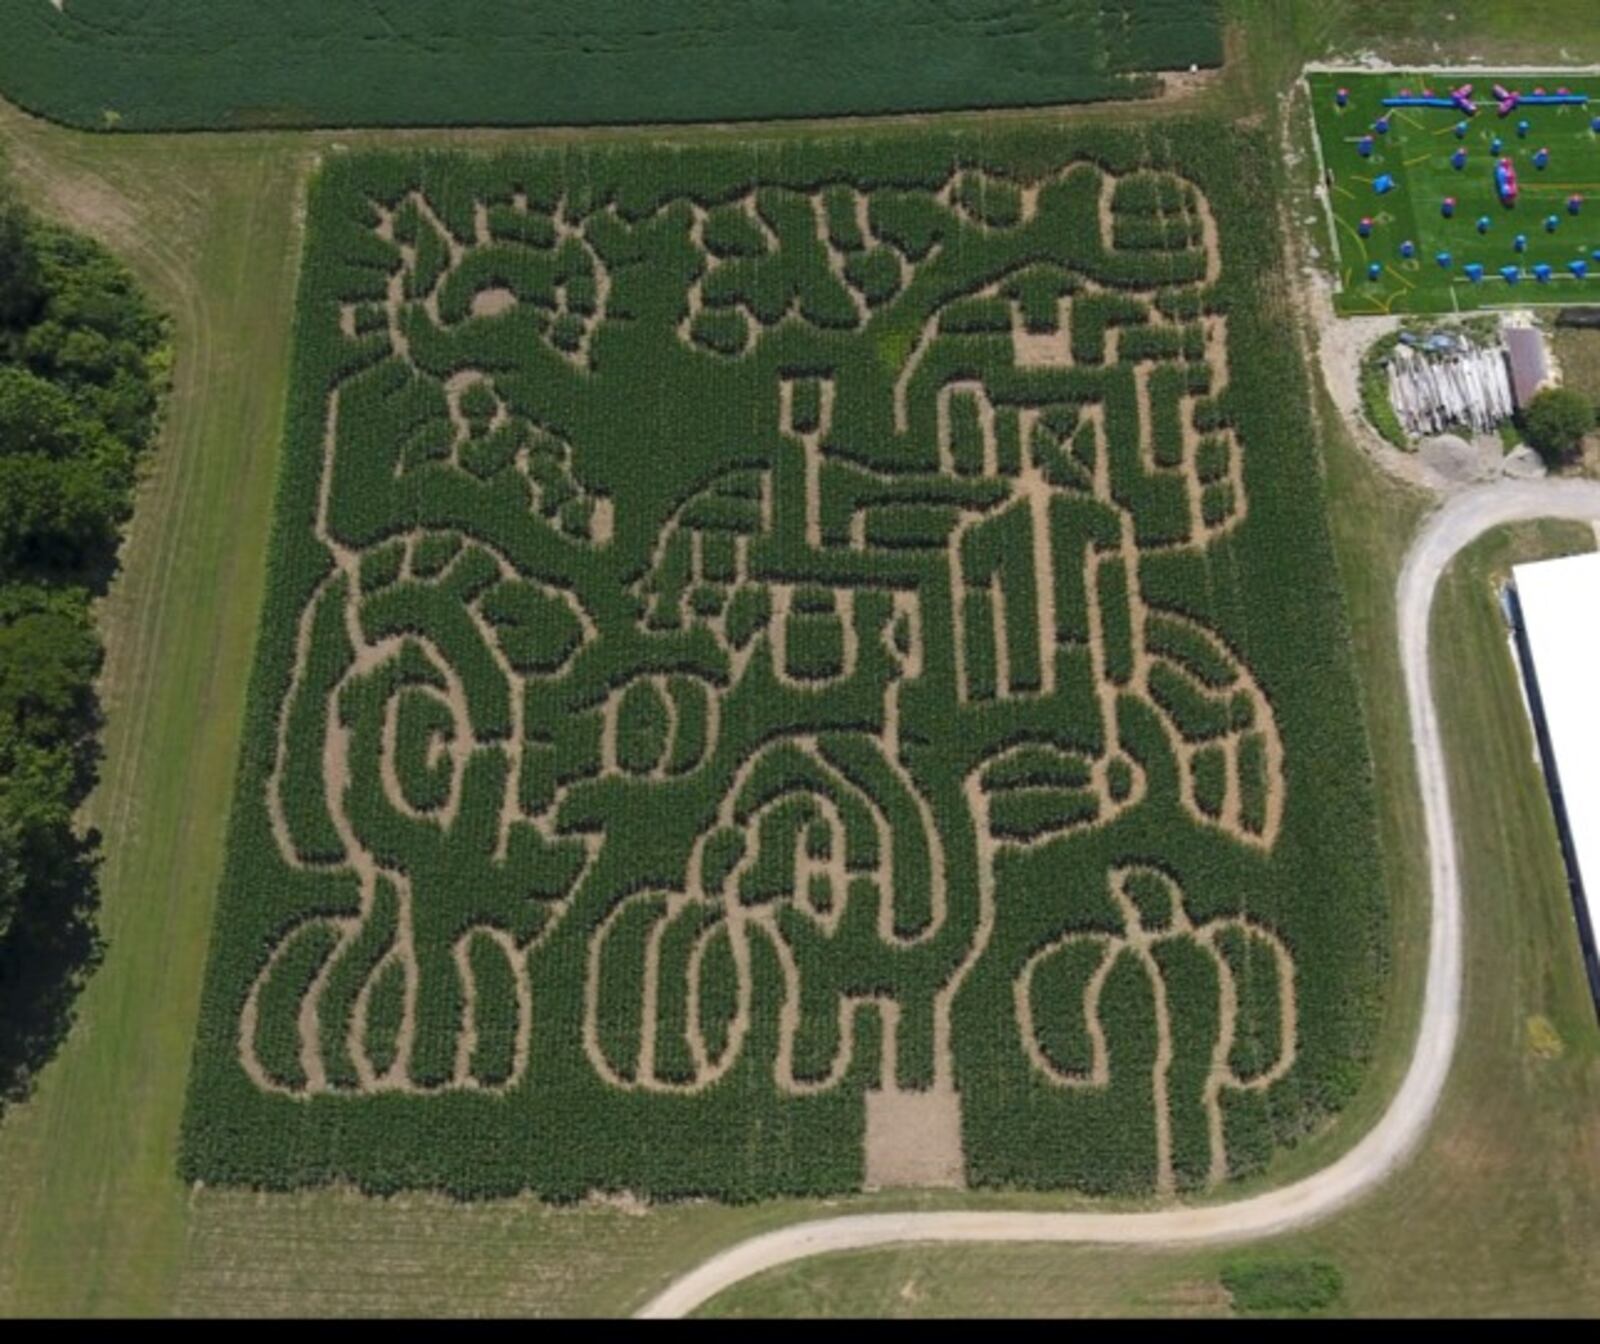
[(1042, 350), (1176, 85), (621, 1201), (493, 302), (913, 1139), (1194, 1297)]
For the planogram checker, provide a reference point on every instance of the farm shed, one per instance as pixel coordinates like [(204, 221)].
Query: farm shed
[(1555, 606), (1530, 367)]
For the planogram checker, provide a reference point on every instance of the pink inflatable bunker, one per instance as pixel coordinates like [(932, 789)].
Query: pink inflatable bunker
[(1505, 181)]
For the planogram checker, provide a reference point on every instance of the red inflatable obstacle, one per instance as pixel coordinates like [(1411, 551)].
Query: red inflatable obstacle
[(1460, 99), (1505, 181), (1509, 100)]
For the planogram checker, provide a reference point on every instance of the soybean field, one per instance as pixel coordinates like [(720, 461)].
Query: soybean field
[(191, 64)]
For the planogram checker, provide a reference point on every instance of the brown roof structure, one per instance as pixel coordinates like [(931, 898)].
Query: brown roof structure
[(1530, 370)]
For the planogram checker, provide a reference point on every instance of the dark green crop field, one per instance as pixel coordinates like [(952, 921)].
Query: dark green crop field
[(189, 64), (1420, 152), (788, 667)]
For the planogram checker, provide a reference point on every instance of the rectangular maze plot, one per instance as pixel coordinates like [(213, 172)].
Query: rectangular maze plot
[(792, 671)]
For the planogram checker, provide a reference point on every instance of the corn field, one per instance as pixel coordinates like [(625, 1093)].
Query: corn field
[(754, 630)]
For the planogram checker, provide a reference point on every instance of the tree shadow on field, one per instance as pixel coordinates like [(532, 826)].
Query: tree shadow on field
[(52, 944), (53, 947)]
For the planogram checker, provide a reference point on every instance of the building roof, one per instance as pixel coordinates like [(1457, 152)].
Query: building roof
[(1560, 605), (1529, 367)]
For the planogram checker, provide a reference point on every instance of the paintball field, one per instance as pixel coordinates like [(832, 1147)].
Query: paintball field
[(1420, 152)]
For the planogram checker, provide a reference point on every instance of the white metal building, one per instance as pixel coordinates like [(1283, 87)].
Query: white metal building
[(1558, 638)]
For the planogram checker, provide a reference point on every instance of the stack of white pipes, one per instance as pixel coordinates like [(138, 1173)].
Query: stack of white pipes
[(1433, 393)]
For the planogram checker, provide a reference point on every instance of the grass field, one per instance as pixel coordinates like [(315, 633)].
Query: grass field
[(1578, 351), (1490, 1219), (229, 64), (1560, 32), (1418, 153), (93, 1220)]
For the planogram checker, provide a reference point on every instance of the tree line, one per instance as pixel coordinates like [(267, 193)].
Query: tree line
[(83, 361)]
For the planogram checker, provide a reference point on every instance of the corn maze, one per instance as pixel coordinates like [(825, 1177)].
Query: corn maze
[(788, 670)]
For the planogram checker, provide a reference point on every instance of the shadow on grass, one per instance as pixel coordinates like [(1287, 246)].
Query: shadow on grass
[(52, 949), (52, 945)]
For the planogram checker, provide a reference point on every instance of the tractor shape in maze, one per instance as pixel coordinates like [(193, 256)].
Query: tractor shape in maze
[(701, 757)]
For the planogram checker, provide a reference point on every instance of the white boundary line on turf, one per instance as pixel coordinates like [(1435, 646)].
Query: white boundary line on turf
[(1323, 192), (1488, 68)]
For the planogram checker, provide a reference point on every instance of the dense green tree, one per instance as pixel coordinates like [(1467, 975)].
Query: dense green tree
[(36, 416), (47, 659), (1555, 422), (55, 513)]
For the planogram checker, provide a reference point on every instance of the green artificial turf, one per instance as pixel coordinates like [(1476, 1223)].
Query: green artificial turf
[(1417, 152)]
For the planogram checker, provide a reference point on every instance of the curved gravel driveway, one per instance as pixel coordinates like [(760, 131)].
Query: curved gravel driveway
[(1455, 525)]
